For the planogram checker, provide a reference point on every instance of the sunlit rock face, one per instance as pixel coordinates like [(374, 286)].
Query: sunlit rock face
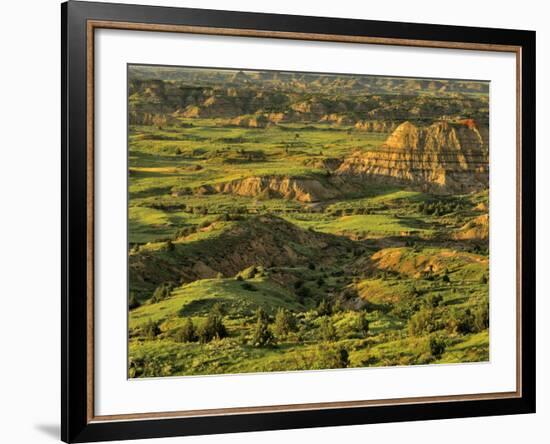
[(302, 190), (444, 157)]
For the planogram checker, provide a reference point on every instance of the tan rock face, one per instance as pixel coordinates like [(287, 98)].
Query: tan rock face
[(446, 157), (339, 119), (375, 126), (476, 229), (405, 136), (302, 190), (259, 121)]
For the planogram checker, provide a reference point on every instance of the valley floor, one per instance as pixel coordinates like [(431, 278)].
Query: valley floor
[(226, 281)]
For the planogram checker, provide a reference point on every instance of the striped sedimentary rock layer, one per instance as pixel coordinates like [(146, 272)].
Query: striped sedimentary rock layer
[(446, 157)]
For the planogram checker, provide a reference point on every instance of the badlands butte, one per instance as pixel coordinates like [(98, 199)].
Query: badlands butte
[(286, 221)]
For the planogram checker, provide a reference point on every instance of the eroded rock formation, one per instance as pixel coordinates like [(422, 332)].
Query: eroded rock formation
[(300, 189), (446, 157), (376, 126), (476, 229)]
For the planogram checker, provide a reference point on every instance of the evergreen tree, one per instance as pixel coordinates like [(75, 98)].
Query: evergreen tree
[(481, 317), (212, 328), (362, 324), (437, 346), (151, 329), (262, 335), (285, 322), (324, 308), (326, 329), (187, 332), (162, 292)]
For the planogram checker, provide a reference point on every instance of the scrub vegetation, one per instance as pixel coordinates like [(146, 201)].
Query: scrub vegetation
[(292, 221)]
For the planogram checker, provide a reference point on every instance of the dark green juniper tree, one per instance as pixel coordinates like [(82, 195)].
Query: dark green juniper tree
[(187, 332), (151, 329), (362, 325), (261, 334), (212, 328), (326, 329), (285, 322)]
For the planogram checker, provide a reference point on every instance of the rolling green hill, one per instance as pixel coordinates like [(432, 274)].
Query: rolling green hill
[(295, 221)]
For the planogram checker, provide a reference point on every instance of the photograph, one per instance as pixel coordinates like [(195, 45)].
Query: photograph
[(275, 222), (294, 221)]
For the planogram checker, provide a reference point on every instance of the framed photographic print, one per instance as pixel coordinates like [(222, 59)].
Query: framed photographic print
[(276, 221)]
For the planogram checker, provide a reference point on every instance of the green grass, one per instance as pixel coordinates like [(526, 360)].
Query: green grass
[(197, 298), (150, 225), (360, 225), (207, 147), (473, 348)]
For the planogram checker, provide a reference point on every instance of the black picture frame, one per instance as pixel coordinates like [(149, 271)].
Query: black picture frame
[(76, 423)]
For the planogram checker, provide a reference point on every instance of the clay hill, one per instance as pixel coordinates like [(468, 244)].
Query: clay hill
[(300, 189), (476, 229), (266, 241), (443, 157)]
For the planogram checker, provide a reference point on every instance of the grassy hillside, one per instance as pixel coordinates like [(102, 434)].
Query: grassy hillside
[(250, 252)]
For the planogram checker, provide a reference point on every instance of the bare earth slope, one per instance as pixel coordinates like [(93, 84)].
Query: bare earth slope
[(261, 241)]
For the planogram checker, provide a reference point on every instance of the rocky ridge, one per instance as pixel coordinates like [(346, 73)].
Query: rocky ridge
[(301, 189), (445, 157)]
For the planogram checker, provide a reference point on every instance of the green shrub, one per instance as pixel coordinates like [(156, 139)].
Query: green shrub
[(187, 332), (327, 332), (262, 314), (261, 334), (434, 300), (481, 317), (302, 293), (162, 292), (337, 306), (151, 329), (285, 322), (406, 308), (324, 308), (218, 309), (327, 356), (461, 322), (422, 322), (465, 322), (212, 328), (437, 346), (362, 324), (150, 367), (248, 286)]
